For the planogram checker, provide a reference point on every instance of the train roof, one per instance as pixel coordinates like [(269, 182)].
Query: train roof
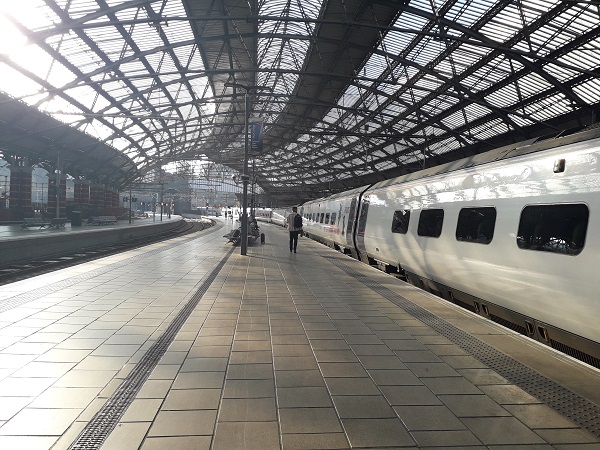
[(498, 154)]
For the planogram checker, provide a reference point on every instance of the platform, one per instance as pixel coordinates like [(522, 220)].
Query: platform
[(186, 344), (15, 230)]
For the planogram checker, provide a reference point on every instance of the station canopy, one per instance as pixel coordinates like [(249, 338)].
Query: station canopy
[(349, 92)]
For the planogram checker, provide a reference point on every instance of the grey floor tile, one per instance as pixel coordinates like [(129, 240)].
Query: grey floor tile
[(539, 416), (431, 369), (250, 346), (247, 436), (298, 378), (177, 443), (501, 430), (209, 351), (292, 339), (295, 362), (9, 406), (183, 423), (39, 422), (326, 344), (450, 385), (199, 380), (321, 441), (369, 433), (186, 399), (473, 406), (362, 407), (434, 418), (342, 370), (508, 394), (141, 410), (379, 349), (463, 362), (392, 377), (297, 397), (418, 356), (250, 372), (410, 395), (574, 436), (126, 435), (65, 397), (204, 365), (154, 389), (293, 350), (308, 420), (381, 362), (483, 376), (447, 439), (335, 356), (351, 386), (24, 387), (27, 442), (249, 388), (248, 409)]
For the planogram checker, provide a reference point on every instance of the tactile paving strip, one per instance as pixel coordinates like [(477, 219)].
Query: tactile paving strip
[(579, 410), (104, 422)]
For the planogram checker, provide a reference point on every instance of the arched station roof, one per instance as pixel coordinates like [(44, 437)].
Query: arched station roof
[(350, 91)]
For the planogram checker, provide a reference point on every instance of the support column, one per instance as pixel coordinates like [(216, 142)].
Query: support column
[(62, 196), (81, 199), (97, 199), (20, 191)]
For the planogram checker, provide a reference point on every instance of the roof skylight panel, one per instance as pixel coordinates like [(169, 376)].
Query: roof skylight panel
[(498, 31), (454, 120), (79, 8), (589, 91), (474, 111), (520, 120), (548, 108), (504, 97), (488, 130), (467, 12), (532, 84)]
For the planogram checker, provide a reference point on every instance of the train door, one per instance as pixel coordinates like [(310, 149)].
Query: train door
[(350, 216), (361, 225)]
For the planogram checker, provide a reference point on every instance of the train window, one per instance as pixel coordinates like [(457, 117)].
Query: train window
[(322, 217), (553, 228), (430, 222), (400, 221), (476, 225), (333, 218), (327, 219)]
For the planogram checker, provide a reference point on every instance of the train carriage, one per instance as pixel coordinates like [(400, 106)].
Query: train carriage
[(507, 234)]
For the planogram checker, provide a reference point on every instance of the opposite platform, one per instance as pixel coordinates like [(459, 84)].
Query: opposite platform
[(185, 344)]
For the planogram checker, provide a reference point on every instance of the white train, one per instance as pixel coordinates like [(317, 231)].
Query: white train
[(276, 216), (507, 234)]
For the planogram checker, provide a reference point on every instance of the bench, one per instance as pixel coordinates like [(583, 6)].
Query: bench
[(101, 220), (34, 222), (58, 222)]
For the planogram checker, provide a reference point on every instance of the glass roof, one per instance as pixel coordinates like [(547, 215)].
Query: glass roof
[(350, 92)]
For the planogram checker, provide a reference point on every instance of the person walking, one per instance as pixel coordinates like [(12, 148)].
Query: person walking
[(294, 223)]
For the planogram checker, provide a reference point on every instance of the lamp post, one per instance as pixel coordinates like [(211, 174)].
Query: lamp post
[(245, 176)]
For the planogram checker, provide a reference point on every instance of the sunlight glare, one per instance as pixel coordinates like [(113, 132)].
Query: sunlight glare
[(11, 39)]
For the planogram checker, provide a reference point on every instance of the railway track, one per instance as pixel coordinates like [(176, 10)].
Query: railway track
[(26, 269)]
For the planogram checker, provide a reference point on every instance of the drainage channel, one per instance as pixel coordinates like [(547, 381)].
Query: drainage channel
[(106, 419), (579, 410)]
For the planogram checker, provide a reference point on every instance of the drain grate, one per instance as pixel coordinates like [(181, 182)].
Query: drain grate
[(101, 425), (579, 410)]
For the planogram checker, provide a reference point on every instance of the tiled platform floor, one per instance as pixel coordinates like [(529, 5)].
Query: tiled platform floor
[(282, 351)]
